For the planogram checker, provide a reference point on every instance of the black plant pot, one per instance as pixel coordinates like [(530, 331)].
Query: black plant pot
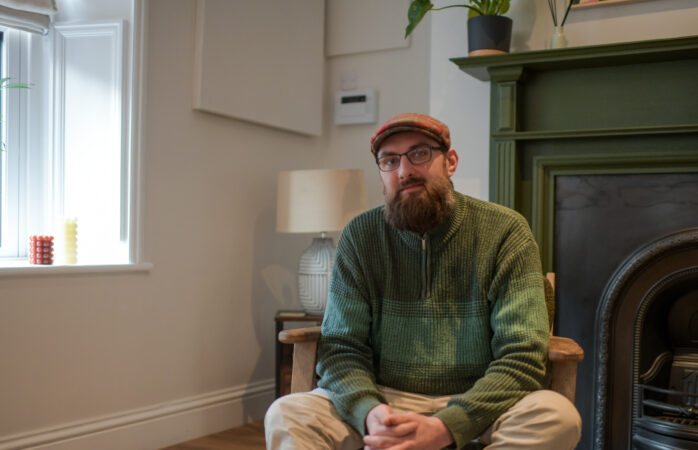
[(489, 35)]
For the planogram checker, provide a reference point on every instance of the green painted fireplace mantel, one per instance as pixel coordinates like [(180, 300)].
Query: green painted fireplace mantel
[(606, 109)]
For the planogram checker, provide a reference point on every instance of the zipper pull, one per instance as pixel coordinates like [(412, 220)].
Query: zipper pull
[(424, 244)]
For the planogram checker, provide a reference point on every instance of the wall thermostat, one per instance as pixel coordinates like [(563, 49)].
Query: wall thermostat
[(352, 107)]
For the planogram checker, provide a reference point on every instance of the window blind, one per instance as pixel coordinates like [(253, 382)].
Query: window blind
[(27, 15)]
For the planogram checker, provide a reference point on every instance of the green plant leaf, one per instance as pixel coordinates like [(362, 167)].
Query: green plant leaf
[(5, 84), (494, 7), (478, 9), (417, 11), (487, 7), (503, 7), (16, 86)]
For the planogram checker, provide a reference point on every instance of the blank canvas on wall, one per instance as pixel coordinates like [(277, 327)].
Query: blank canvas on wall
[(356, 26), (261, 61)]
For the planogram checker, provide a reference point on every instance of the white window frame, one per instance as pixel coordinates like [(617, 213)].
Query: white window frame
[(14, 159), (43, 191), (84, 34)]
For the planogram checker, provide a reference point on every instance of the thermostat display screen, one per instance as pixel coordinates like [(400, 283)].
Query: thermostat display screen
[(354, 99)]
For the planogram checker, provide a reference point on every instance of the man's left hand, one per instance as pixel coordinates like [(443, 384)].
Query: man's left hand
[(430, 433)]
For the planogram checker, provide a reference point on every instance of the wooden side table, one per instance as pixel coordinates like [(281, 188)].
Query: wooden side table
[(284, 352)]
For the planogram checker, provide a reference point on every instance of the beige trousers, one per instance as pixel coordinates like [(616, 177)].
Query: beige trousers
[(541, 420)]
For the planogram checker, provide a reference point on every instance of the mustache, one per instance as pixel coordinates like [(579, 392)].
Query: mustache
[(411, 182)]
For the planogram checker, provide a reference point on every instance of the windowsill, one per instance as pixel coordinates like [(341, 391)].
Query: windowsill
[(22, 268)]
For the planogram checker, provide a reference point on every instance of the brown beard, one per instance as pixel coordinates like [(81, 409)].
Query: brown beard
[(419, 211)]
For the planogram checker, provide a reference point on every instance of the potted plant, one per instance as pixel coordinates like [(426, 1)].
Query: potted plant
[(489, 32)]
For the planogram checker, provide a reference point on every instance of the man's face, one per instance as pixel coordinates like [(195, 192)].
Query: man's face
[(417, 197)]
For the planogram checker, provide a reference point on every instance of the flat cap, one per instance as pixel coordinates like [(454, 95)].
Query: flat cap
[(420, 123)]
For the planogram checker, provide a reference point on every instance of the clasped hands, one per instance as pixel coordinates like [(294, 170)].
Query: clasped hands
[(387, 430)]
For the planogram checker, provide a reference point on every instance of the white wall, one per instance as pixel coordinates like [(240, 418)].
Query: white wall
[(401, 78), (149, 359), (197, 329), (462, 102)]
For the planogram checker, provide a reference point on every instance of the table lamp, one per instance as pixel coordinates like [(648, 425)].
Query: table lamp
[(318, 201)]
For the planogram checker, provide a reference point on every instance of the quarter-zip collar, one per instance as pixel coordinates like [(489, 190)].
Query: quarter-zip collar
[(438, 236)]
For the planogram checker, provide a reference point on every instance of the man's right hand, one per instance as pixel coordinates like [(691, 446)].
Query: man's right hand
[(379, 423)]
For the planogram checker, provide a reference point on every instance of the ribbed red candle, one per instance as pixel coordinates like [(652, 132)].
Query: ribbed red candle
[(40, 249)]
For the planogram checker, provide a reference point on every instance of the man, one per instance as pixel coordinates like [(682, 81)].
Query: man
[(436, 330)]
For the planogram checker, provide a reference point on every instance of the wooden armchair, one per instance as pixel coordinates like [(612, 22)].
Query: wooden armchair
[(564, 354)]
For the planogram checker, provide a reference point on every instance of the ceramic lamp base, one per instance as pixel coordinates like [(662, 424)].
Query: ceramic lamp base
[(314, 269)]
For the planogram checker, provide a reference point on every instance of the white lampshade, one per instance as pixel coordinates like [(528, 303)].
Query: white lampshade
[(317, 201), (313, 201)]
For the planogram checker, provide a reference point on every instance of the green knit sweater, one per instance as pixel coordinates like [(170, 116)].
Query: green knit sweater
[(457, 311)]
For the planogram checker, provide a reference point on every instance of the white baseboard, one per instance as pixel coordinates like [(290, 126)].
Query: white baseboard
[(155, 426)]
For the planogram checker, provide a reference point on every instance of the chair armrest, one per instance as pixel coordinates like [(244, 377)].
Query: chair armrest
[(307, 334), (561, 348), (564, 349), (305, 341)]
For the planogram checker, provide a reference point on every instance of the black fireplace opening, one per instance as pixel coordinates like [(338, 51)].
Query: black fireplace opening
[(665, 412), (647, 351), (616, 237)]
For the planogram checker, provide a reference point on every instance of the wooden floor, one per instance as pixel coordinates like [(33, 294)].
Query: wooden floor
[(246, 437)]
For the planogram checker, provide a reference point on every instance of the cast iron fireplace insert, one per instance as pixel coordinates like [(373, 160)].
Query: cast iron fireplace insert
[(647, 347)]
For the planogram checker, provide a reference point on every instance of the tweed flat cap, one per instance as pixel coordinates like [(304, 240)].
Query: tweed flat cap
[(420, 123)]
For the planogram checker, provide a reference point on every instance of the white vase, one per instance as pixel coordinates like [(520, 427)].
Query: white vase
[(558, 40)]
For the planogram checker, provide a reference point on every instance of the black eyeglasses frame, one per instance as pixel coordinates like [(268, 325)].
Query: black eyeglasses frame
[(431, 148)]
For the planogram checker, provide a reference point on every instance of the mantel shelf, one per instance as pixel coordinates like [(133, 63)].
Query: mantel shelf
[(490, 66)]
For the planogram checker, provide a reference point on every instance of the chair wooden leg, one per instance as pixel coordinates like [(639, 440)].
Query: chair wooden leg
[(564, 378), (303, 375)]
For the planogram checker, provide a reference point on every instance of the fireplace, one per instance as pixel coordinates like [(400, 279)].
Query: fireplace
[(628, 236), (598, 148), (647, 348), (665, 367)]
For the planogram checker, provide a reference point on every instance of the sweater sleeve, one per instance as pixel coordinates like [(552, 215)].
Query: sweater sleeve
[(519, 342), (345, 356)]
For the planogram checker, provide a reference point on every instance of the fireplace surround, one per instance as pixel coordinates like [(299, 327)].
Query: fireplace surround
[(598, 148)]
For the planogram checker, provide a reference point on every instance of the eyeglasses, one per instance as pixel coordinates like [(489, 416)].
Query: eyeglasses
[(418, 155)]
